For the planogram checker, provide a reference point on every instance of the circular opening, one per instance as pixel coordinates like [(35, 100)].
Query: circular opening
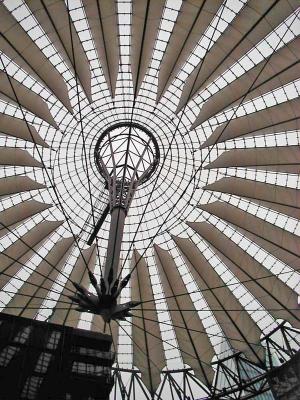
[(127, 151)]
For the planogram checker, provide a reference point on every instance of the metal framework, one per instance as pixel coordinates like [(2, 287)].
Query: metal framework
[(126, 156), (235, 378), (149, 184)]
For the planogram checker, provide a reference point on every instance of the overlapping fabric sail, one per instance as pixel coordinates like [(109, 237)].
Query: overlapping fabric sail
[(194, 344), (54, 19), (148, 351), (17, 45), (102, 18), (255, 21), (211, 240), (229, 313)]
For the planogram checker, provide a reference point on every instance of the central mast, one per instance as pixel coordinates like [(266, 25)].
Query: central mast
[(126, 156)]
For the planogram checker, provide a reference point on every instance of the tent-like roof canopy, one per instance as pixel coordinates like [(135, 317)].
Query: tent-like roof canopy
[(211, 239)]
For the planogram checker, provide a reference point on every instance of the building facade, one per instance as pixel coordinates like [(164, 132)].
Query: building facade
[(40, 360)]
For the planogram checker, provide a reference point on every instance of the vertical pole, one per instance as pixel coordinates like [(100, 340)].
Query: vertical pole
[(114, 247), (287, 343)]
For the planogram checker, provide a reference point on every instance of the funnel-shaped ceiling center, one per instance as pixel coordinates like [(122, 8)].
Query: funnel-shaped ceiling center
[(127, 151)]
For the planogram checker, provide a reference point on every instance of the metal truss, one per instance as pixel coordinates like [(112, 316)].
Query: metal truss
[(235, 376), (277, 354), (238, 378), (179, 384)]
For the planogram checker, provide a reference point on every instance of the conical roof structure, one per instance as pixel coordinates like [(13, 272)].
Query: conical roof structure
[(211, 236)]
